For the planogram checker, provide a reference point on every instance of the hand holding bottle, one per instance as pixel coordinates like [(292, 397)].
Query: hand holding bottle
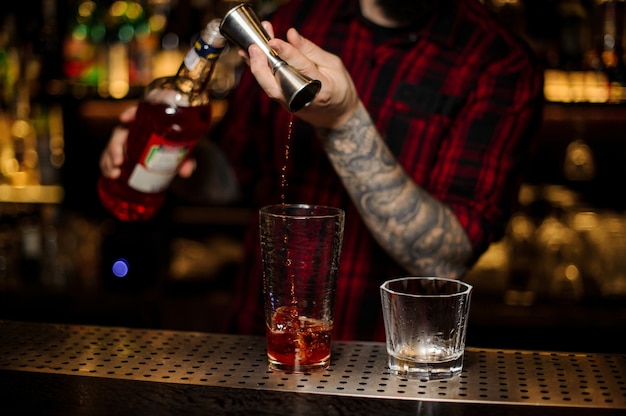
[(174, 113), (112, 156)]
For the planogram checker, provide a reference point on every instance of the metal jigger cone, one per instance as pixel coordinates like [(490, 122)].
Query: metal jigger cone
[(298, 89), (241, 26)]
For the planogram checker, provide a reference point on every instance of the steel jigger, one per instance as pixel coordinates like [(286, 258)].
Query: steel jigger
[(242, 26)]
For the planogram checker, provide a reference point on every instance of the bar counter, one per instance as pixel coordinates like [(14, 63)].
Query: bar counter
[(61, 369)]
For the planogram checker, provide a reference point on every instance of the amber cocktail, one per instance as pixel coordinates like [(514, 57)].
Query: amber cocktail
[(300, 247)]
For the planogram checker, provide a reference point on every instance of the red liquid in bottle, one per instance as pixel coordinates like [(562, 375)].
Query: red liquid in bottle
[(158, 141)]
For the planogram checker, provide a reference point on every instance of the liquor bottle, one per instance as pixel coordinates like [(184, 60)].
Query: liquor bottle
[(612, 50), (171, 117), (80, 47)]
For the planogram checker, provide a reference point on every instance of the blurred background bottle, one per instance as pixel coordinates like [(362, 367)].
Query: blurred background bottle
[(172, 116)]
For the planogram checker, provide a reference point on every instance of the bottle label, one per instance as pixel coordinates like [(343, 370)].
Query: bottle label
[(205, 50), (200, 50), (157, 165)]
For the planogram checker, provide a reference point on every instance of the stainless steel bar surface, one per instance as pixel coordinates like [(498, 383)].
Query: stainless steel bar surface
[(358, 369)]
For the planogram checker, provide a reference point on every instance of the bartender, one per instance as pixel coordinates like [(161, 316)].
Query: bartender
[(421, 132)]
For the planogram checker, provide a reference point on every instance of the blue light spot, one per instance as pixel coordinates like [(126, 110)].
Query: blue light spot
[(120, 268)]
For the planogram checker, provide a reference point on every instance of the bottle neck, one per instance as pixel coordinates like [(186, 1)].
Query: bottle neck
[(199, 64)]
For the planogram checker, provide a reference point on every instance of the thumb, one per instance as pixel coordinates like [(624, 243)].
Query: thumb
[(301, 43), (298, 51)]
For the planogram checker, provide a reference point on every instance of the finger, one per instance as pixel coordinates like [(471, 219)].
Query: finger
[(113, 156), (106, 163), (263, 73), (303, 54), (187, 167), (268, 28), (107, 167), (244, 56), (117, 143), (128, 115), (270, 31)]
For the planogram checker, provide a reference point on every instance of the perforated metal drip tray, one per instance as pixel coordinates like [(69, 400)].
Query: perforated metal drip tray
[(358, 368)]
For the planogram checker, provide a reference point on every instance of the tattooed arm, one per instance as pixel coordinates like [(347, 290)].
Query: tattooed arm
[(419, 232)]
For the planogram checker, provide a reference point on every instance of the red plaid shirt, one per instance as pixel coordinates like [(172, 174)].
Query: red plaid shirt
[(456, 101)]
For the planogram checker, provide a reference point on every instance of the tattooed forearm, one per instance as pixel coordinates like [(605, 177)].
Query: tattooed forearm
[(419, 232)]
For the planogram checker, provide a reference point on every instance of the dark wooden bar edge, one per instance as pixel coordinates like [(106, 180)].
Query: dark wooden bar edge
[(49, 369), (25, 393)]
